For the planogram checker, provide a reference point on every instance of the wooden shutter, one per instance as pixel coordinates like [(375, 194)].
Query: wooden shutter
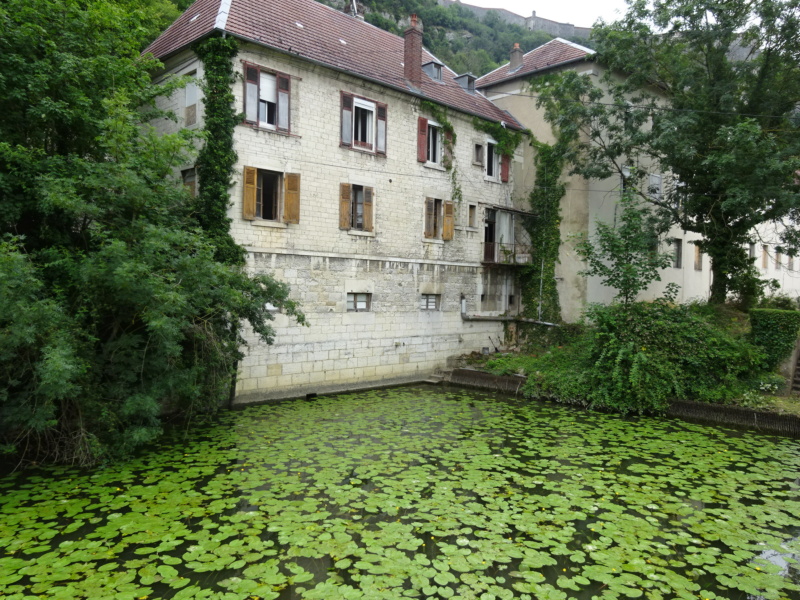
[(380, 145), (291, 198), (505, 163), (284, 88), (422, 140), (252, 76), (449, 221), (250, 191), (369, 195), (430, 217), (347, 119), (345, 192)]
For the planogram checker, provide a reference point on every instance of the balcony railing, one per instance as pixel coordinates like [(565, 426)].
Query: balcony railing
[(506, 254)]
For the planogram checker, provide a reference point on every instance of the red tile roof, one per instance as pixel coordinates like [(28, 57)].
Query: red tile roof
[(323, 35), (553, 53)]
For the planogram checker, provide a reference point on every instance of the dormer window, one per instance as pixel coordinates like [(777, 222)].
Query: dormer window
[(467, 82), (433, 69)]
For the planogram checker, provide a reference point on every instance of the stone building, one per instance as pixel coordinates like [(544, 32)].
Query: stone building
[(399, 240), (588, 201)]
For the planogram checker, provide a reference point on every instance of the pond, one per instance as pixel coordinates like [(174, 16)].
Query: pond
[(418, 492)]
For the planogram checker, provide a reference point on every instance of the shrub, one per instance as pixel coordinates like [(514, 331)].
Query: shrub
[(776, 332)]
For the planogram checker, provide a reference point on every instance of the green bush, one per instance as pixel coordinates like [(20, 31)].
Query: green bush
[(776, 332), (637, 358)]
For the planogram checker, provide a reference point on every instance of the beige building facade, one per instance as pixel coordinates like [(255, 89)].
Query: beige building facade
[(349, 189), (587, 202)]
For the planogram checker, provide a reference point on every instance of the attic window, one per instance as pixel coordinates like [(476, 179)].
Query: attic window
[(299, 24), (434, 70), (194, 18), (342, 41)]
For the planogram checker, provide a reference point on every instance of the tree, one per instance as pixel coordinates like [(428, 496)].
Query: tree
[(707, 92), (116, 309), (625, 256)]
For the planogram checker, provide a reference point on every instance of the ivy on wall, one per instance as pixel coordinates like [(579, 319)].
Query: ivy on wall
[(776, 332), (539, 293), (217, 157), (507, 139), (439, 114)]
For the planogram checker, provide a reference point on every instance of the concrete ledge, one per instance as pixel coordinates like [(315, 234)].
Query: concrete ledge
[(695, 412), (300, 391), (480, 379)]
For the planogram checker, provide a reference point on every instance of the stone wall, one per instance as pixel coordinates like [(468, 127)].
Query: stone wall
[(395, 263)]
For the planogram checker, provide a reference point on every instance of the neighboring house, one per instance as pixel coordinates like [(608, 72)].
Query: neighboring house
[(588, 201), (342, 190)]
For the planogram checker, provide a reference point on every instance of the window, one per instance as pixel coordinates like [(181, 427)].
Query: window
[(496, 167), (363, 124), (677, 253), (654, 188), (434, 143), (433, 69), (356, 207), (764, 256), (189, 178), (778, 257), (271, 196), (359, 302), (190, 102), (790, 263), (698, 258), (752, 251), (429, 302), (477, 155), (266, 98), (472, 216), (492, 166), (439, 219)]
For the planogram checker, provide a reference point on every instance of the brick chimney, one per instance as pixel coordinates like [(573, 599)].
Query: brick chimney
[(412, 57), (516, 58)]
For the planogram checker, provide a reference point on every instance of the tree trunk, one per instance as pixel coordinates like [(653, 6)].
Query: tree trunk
[(719, 282)]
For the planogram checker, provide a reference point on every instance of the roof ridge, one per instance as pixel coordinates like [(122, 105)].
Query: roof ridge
[(222, 15)]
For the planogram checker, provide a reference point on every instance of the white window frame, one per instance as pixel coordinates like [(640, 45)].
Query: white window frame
[(435, 153), (278, 200), (491, 158), (191, 101), (360, 104), (359, 302)]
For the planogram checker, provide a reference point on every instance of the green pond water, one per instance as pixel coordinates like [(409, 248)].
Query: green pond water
[(416, 492)]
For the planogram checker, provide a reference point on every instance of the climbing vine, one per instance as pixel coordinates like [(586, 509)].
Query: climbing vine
[(439, 114), (539, 293), (507, 139), (217, 157)]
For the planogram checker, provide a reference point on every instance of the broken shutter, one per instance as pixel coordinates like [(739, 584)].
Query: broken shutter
[(380, 146), (283, 101), (291, 198), (250, 192), (368, 208), (448, 223), (430, 217), (347, 119), (344, 205), (505, 163), (251, 77), (422, 139)]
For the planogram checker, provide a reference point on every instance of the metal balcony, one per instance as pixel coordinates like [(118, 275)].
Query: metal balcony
[(498, 253)]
